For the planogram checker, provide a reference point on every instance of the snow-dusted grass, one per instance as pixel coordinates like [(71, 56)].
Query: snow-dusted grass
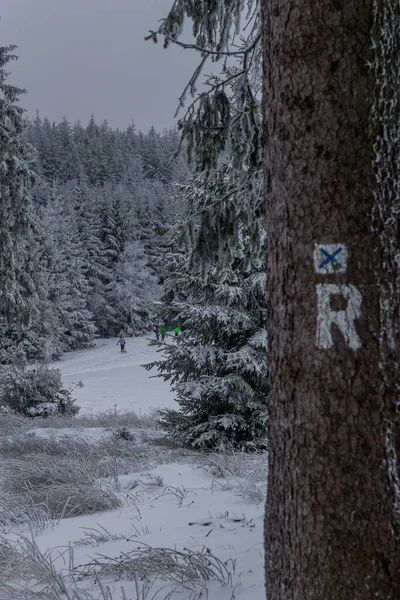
[(67, 486), (147, 520), (181, 529), (16, 514), (109, 418), (176, 542), (58, 475), (178, 535), (11, 423), (244, 473), (184, 567), (188, 570)]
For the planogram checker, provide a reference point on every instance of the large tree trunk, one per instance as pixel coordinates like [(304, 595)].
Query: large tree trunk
[(331, 167)]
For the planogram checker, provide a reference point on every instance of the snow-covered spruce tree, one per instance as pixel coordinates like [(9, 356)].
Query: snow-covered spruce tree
[(20, 286), (135, 290), (100, 248), (38, 338), (23, 290), (18, 294), (227, 114), (92, 217), (218, 366), (16, 179), (68, 287), (158, 208)]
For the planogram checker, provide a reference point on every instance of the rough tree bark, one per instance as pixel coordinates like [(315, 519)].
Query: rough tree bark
[(331, 155)]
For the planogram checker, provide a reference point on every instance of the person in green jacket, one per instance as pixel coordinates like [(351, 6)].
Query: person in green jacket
[(177, 330), (163, 332)]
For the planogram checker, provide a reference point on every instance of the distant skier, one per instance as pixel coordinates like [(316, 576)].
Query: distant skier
[(177, 331), (163, 331), (122, 342), (157, 332)]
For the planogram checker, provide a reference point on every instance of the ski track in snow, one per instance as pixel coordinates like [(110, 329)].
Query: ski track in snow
[(111, 379)]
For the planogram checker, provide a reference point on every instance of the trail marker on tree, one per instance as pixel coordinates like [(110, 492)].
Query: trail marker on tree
[(330, 258), (344, 318), (337, 304)]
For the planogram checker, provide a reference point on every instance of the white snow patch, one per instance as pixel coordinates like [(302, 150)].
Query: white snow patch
[(185, 512), (89, 434), (111, 379)]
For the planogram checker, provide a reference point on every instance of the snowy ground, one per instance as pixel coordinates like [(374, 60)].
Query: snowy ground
[(185, 526), (112, 379)]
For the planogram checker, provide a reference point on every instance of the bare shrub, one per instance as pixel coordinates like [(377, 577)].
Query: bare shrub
[(123, 433)]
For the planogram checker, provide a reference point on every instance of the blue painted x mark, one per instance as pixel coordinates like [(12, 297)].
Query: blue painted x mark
[(330, 258)]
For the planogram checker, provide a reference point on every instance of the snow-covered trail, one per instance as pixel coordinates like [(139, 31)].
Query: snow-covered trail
[(110, 378), (169, 498)]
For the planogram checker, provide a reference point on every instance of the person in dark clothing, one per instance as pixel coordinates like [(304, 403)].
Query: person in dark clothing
[(121, 342)]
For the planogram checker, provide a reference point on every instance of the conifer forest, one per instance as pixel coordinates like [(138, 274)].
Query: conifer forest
[(214, 302)]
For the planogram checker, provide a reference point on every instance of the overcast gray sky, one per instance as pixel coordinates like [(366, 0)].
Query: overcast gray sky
[(78, 57)]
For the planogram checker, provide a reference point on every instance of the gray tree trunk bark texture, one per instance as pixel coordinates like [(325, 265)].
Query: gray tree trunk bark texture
[(331, 156)]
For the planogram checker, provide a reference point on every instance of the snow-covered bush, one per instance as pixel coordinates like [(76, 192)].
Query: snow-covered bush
[(35, 392), (123, 433)]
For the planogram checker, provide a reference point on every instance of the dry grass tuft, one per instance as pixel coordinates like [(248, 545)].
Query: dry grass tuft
[(240, 471), (46, 478), (67, 486), (28, 574), (186, 568), (110, 418)]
